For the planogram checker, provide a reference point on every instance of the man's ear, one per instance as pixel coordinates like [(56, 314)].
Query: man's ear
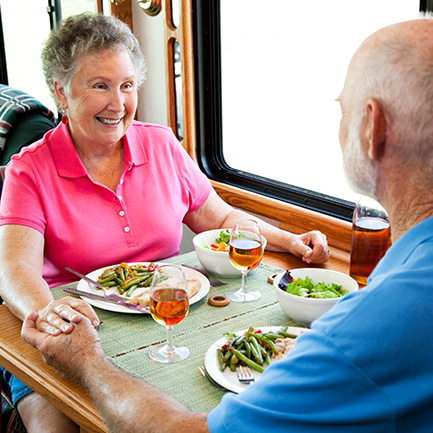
[(375, 129), (60, 94)]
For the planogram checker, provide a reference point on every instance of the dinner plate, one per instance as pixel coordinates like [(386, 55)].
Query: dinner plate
[(227, 378), (85, 286)]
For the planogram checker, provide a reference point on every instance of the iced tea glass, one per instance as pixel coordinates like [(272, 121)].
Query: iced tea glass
[(371, 238)]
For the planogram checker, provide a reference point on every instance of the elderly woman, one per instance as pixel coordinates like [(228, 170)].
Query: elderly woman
[(100, 188)]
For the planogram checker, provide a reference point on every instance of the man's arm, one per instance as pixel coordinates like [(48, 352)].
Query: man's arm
[(126, 403)]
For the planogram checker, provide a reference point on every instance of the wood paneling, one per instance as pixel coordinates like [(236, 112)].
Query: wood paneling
[(183, 35), (290, 217), (123, 11)]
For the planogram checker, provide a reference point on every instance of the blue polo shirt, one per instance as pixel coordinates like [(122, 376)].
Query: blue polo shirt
[(366, 366)]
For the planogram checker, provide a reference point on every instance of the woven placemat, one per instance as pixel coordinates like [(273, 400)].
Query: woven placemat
[(126, 338)]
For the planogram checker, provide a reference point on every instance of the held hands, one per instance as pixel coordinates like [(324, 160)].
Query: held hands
[(312, 247), (66, 352), (60, 315)]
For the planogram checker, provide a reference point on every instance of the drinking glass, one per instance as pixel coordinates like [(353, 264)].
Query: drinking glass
[(169, 305), (371, 238), (245, 253)]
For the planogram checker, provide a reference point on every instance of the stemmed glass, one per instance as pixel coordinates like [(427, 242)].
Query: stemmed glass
[(169, 305), (245, 253)]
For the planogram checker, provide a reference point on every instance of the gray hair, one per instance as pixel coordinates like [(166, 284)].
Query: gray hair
[(399, 74), (83, 34)]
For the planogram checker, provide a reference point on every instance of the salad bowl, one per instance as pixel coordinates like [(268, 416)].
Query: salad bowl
[(216, 262), (307, 309)]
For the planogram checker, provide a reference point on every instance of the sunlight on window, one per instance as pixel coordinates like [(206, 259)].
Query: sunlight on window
[(23, 48), (283, 65)]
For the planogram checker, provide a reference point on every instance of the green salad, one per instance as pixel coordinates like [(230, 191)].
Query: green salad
[(306, 289)]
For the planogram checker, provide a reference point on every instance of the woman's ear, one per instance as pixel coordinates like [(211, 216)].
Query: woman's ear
[(375, 129), (60, 94)]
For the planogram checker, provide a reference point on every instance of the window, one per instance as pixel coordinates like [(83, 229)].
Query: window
[(23, 46), (267, 78)]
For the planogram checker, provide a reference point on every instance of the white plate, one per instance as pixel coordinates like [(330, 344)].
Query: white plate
[(229, 379), (85, 286)]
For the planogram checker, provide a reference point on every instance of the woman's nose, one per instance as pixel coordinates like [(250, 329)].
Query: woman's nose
[(117, 101)]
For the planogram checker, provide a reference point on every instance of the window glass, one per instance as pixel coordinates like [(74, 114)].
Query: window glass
[(23, 46), (26, 24), (283, 66)]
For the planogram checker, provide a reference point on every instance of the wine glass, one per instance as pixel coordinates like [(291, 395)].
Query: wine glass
[(245, 253), (169, 305)]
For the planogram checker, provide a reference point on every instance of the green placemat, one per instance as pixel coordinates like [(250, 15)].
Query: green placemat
[(126, 338)]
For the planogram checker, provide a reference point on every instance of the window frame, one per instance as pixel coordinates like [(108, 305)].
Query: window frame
[(209, 120)]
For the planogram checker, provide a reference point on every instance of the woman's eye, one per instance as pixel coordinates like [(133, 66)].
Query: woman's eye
[(99, 86)]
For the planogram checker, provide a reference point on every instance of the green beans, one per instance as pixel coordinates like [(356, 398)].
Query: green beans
[(253, 348), (127, 278)]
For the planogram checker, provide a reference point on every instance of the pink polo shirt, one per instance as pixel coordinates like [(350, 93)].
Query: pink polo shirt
[(86, 225)]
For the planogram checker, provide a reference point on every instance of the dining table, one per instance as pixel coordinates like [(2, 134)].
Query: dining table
[(127, 338)]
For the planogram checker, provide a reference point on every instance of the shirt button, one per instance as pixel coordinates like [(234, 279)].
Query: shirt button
[(121, 181), (121, 213), (119, 197), (127, 229)]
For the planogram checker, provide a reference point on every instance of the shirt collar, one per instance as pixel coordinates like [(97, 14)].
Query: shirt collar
[(68, 162), (399, 252)]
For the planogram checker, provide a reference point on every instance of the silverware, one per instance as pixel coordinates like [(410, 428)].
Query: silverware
[(205, 374), (86, 278), (108, 297), (213, 281), (112, 298), (245, 375)]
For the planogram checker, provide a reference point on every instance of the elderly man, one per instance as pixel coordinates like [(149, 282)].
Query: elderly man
[(367, 365)]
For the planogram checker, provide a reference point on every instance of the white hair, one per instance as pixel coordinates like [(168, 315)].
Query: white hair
[(399, 75)]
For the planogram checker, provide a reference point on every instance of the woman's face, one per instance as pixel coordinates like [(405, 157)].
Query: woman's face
[(101, 100)]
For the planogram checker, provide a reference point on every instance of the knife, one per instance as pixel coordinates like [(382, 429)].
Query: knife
[(112, 298), (89, 280)]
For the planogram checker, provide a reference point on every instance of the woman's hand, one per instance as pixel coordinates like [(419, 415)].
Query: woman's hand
[(312, 247), (59, 315)]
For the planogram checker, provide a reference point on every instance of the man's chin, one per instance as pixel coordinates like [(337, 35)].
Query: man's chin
[(366, 190)]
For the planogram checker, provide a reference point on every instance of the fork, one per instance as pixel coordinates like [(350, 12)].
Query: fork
[(245, 375)]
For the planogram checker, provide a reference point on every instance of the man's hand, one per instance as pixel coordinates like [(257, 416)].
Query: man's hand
[(66, 352)]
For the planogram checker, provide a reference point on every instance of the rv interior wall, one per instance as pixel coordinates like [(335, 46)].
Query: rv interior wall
[(152, 105)]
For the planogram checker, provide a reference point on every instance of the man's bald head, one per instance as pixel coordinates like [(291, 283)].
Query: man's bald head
[(394, 66)]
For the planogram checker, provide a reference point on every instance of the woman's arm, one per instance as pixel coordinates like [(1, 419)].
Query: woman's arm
[(216, 213), (24, 290)]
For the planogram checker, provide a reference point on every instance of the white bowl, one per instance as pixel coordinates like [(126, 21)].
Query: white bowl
[(306, 310), (216, 262)]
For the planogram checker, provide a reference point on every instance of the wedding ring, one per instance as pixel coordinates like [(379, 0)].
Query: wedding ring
[(329, 253)]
